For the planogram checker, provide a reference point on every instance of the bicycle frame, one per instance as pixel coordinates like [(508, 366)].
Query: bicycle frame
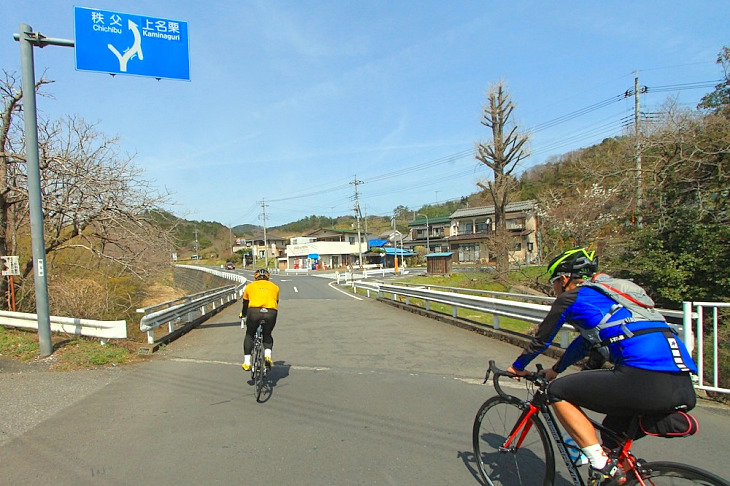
[(539, 404)]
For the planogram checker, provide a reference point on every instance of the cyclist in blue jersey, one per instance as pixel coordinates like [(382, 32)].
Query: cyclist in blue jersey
[(651, 372)]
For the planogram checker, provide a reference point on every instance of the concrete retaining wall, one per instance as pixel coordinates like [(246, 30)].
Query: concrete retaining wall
[(194, 281)]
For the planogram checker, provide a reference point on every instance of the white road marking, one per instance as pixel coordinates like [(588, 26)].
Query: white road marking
[(236, 363), (470, 381), (346, 293), (296, 290)]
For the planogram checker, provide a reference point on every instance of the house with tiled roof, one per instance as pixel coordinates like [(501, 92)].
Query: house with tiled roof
[(472, 228), (430, 233)]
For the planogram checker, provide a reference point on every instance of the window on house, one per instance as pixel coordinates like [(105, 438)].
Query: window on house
[(469, 252), (517, 224)]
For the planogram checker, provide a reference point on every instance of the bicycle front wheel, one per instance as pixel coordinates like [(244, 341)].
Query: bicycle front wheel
[(674, 474), (531, 463)]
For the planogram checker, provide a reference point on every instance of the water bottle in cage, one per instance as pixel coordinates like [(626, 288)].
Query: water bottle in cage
[(576, 455)]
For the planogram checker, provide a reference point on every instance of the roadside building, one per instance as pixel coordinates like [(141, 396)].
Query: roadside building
[(472, 228), (258, 246), (439, 263), (324, 249), (430, 233)]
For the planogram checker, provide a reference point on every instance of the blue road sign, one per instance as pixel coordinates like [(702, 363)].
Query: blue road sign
[(119, 43)]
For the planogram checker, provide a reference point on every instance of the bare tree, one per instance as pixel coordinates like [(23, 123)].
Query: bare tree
[(94, 198), (501, 155)]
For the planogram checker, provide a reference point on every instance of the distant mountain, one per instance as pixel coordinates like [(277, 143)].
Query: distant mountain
[(247, 229)]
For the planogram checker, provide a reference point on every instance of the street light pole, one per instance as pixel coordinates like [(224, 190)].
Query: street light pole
[(428, 238)]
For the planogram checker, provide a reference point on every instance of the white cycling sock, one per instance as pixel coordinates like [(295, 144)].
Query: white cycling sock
[(247, 359), (596, 455), (267, 353)]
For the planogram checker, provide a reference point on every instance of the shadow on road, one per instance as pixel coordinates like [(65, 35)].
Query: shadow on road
[(470, 462), (278, 372)]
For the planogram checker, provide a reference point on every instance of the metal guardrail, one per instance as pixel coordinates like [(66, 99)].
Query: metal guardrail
[(104, 330), (186, 310), (531, 312), (493, 293)]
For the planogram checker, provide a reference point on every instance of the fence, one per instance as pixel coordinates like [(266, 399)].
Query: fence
[(680, 321), (715, 360)]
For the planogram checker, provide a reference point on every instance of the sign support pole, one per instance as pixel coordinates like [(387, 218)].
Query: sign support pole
[(28, 39)]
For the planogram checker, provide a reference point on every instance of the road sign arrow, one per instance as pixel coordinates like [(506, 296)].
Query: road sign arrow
[(135, 49)]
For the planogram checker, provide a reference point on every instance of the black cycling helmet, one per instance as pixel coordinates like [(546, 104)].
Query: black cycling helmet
[(577, 262), (261, 274)]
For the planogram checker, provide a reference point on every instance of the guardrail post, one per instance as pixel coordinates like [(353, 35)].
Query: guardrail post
[(408, 300), (428, 305), (454, 311), (564, 339), (151, 336), (688, 336), (700, 345), (495, 321)]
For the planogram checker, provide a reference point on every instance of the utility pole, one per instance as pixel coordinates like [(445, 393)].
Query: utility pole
[(358, 215), (637, 133), (266, 244), (28, 40), (197, 255)]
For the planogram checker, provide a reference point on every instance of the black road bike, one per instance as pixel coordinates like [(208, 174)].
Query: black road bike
[(258, 364), (512, 444)]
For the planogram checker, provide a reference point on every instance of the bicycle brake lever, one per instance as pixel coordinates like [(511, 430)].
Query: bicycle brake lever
[(486, 377)]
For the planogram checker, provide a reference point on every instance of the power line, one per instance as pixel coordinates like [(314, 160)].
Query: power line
[(605, 127)]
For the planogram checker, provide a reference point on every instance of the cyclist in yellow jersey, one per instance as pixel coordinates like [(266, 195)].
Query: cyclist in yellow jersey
[(260, 302)]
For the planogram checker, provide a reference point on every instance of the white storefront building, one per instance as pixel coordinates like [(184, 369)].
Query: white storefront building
[(323, 255)]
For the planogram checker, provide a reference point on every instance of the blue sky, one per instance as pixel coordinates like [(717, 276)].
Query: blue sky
[(290, 101)]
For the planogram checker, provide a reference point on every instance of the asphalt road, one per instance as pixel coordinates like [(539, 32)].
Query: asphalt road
[(362, 394)]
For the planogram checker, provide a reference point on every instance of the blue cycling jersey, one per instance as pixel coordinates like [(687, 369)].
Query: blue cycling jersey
[(584, 307)]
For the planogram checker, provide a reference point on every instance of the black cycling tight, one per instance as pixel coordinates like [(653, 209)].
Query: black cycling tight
[(253, 316), (624, 392)]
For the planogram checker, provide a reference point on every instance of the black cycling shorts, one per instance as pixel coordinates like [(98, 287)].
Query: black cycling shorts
[(625, 390)]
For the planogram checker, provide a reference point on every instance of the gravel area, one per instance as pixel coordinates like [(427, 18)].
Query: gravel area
[(30, 393)]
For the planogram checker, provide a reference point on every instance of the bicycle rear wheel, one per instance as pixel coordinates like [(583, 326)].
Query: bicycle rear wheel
[(674, 474), (533, 463), (259, 374)]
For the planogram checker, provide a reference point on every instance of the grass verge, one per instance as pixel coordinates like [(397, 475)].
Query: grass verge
[(69, 352)]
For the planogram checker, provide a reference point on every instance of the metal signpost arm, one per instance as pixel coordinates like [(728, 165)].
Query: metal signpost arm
[(28, 39)]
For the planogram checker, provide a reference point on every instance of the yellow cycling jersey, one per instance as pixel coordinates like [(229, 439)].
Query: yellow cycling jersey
[(261, 293)]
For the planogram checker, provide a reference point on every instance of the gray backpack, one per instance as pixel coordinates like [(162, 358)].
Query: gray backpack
[(627, 295)]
